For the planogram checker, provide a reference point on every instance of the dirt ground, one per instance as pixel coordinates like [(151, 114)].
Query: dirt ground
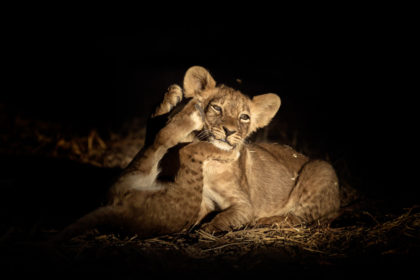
[(52, 175)]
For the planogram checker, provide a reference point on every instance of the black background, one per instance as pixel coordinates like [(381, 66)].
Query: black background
[(346, 76), (342, 79)]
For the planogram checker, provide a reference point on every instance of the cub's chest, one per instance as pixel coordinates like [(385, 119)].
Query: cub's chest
[(220, 184)]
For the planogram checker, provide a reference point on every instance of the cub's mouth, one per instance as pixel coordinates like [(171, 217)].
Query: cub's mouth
[(207, 135), (222, 144)]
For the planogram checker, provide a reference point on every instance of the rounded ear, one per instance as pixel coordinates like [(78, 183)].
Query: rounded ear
[(196, 80), (263, 108)]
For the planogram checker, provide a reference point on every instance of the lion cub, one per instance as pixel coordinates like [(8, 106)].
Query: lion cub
[(268, 182), (218, 171), (138, 201)]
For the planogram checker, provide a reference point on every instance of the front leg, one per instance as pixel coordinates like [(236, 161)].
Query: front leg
[(176, 130), (144, 168), (234, 217)]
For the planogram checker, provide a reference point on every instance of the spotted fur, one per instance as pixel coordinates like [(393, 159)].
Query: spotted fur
[(218, 171)]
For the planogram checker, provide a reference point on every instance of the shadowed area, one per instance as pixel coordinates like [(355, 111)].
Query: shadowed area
[(77, 112)]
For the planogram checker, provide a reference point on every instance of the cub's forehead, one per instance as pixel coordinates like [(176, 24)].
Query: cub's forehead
[(232, 100)]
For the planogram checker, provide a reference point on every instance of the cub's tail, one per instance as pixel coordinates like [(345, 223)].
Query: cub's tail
[(106, 215)]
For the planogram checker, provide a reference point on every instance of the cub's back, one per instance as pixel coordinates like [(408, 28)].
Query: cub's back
[(285, 155), (271, 171)]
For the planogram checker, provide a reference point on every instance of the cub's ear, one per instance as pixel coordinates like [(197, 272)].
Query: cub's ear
[(196, 80), (263, 108)]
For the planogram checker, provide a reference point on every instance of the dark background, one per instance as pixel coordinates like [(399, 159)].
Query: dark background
[(341, 79), (347, 79)]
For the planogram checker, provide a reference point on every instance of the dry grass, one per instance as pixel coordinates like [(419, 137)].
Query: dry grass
[(112, 149), (394, 236), (389, 234)]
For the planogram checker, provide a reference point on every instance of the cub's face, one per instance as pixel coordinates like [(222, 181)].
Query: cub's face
[(227, 118), (230, 116)]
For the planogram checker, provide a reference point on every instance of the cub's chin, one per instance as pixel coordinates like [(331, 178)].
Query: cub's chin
[(223, 145)]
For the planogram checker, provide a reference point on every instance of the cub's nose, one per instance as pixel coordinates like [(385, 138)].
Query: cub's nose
[(228, 132)]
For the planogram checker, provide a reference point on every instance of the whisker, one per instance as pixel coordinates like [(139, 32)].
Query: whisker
[(242, 141), (203, 137), (204, 134), (237, 139), (201, 133)]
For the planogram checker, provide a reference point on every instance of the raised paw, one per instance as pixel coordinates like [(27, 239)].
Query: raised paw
[(179, 127), (172, 97)]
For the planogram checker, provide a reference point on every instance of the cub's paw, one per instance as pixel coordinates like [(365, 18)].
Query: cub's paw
[(172, 97), (289, 220), (213, 228), (180, 127)]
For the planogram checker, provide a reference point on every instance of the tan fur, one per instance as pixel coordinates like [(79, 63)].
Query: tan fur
[(141, 204), (268, 182), (218, 171)]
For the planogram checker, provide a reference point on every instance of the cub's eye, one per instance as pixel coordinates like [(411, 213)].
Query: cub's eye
[(216, 108), (244, 118)]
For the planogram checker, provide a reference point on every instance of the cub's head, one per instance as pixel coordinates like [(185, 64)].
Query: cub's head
[(230, 116)]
